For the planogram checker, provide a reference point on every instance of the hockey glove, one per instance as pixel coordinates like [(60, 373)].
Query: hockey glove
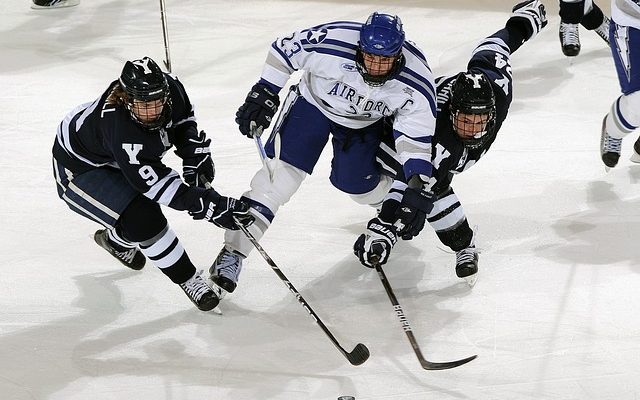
[(197, 164), (529, 15), (221, 210), (376, 243), (255, 115), (412, 212)]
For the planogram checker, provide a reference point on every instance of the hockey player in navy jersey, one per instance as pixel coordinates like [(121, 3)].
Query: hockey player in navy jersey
[(107, 161), (354, 75), (472, 106), (624, 115)]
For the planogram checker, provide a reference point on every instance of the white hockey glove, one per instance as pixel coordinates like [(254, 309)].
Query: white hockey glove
[(531, 14), (376, 243)]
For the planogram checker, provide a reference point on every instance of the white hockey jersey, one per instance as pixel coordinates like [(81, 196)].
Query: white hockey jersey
[(331, 82), (626, 12)]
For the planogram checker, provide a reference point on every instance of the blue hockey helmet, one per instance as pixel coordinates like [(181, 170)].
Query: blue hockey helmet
[(382, 35), (379, 55)]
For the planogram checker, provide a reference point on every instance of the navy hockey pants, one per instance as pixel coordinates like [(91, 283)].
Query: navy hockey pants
[(304, 131), (100, 194)]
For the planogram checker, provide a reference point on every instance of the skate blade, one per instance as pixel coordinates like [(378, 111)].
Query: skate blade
[(217, 311), (471, 280)]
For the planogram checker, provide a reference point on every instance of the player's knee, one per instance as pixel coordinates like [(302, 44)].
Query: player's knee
[(141, 220), (375, 196), (277, 189), (630, 108), (457, 238)]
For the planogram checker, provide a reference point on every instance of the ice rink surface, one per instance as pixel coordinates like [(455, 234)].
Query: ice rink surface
[(551, 317)]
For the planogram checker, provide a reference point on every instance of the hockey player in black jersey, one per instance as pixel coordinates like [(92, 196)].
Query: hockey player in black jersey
[(107, 161), (471, 107)]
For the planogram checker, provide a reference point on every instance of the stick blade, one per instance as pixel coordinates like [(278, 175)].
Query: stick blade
[(358, 355), (433, 366)]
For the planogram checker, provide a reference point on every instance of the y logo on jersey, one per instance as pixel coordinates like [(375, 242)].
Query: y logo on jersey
[(132, 150), (316, 36)]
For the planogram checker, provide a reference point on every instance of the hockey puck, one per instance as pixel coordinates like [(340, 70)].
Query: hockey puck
[(346, 398)]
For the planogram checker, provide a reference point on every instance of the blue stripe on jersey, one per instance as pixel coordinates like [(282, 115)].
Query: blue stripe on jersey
[(331, 42), (428, 94), (331, 51), (349, 25), (416, 52), (421, 139), (283, 56)]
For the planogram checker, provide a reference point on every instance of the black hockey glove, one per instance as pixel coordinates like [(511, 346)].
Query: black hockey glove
[(412, 212), (255, 115), (375, 243), (530, 15), (221, 210), (197, 164)]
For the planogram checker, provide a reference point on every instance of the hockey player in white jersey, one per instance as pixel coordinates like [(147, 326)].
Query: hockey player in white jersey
[(472, 105), (624, 116), (354, 75)]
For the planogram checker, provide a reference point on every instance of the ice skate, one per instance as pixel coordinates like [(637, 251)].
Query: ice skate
[(467, 264), (569, 39), (610, 148), (132, 257), (603, 29), (225, 271), (50, 4), (200, 293)]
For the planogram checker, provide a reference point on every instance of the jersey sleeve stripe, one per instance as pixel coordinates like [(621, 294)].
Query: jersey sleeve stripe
[(163, 191), (283, 58)]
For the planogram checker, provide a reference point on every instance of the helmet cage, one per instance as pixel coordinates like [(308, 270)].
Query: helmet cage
[(472, 94), (143, 82), (381, 35)]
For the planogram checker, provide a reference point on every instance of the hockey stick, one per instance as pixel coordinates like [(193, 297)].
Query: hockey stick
[(358, 355), (255, 133), (165, 34), (428, 365)]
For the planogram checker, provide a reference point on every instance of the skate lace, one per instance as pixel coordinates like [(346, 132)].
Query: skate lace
[(126, 255), (603, 29), (569, 34), (195, 287), (466, 255), (612, 145), (229, 266)]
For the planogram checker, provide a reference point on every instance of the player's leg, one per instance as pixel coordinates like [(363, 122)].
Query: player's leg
[(624, 115), (448, 220), (595, 20), (571, 12), (294, 148)]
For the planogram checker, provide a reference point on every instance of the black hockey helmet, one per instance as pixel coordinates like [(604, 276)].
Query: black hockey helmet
[(143, 81), (472, 94)]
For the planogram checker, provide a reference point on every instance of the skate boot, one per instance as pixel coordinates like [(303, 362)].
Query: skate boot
[(569, 39), (132, 257), (49, 4), (200, 293), (225, 271), (467, 264), (603, 29), (609, 147), (635, 157)]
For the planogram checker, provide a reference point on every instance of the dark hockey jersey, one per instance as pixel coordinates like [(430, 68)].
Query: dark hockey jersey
[(449, 155), (98, 134)]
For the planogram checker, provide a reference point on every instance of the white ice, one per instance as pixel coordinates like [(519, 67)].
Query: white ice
[(551, 317)]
